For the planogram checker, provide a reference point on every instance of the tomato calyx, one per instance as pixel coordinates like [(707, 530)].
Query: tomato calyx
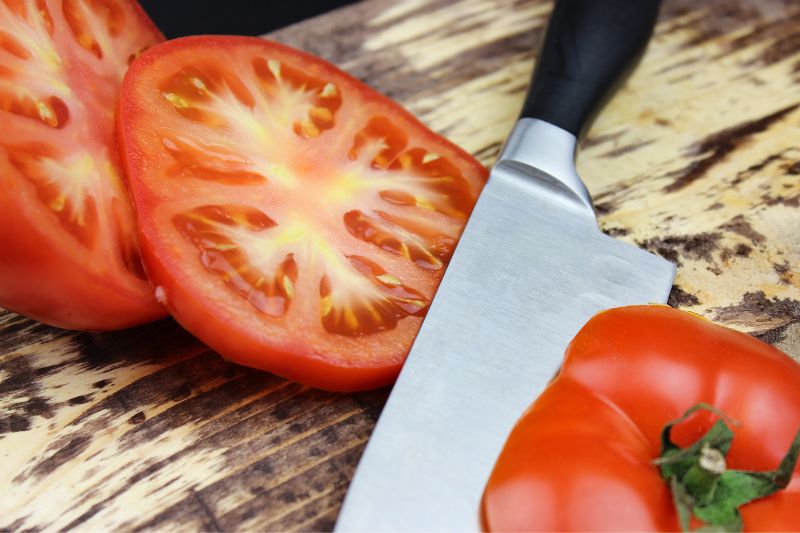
[(702, 486)]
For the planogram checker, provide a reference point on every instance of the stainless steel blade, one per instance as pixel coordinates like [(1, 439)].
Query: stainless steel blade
[(530, 269)]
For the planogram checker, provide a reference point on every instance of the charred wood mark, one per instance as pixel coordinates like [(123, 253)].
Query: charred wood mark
[(17, 332), (622, 150), (740, 250), (93, 510), (137, 418), (310, 480), (741, 226), (784, 272), (351, 26), (699, 246), (780, 36), (774, 335), (160, 387), (590, 141), (473, 63), (783, 46), (184, 515), (14, 423), (101, 351), (323, 497), (712, 20), (210, 519), (615, 231), (680, 298), (24, 399), (147, 430), (156, 388), (683, 63), (268, 468), (372, 402), (604, 208), (384, 67), (67, 448), (794, 169), (80, 399), (786, 201), (756, 168), (102, 384), (716, 147), (757, 303)]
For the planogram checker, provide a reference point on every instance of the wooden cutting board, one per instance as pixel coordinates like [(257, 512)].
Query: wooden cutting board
[(697, 158)]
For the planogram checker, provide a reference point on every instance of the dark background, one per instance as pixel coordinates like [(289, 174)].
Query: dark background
[(240, 17)]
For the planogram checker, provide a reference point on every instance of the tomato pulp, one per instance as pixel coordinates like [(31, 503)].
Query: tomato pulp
[(68, 249), (581, 458), (291, 217)]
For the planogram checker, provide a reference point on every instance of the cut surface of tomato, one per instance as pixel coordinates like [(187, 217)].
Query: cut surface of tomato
[(68, 247), (291, 217)]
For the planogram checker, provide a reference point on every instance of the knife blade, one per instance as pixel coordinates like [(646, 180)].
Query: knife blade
[(530, 269)]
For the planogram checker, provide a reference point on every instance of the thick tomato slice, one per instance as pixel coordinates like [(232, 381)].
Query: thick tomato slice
[(68, 248), (291, 217)]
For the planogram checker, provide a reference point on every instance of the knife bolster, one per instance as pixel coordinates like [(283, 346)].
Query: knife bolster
[(548, 149)]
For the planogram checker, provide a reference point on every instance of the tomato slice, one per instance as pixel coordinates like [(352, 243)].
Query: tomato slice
[(68, 247), (291, 217)]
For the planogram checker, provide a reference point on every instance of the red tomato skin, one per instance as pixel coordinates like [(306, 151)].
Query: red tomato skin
[(46, 284), (43, 279), (214, 327), (640, 367), (245, 347)]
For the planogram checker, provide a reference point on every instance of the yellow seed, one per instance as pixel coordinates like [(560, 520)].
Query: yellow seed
[(404, 251), (225, 247), (350, 318), (321, 113), (417, 303), (309, 129), (405, 161), (45, 113), (176, 100), (329, 91), (198, 83), (376, 316), (275, 68), (259, 282), (388, 279), (423, 203), (326, 304), (58, 203), (430, 156), (85, 40), (288, 287)]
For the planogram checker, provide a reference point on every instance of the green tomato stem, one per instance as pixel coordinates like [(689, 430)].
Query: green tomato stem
[(702, 486)]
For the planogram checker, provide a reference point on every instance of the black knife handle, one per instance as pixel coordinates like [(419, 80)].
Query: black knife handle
[(590, 45)]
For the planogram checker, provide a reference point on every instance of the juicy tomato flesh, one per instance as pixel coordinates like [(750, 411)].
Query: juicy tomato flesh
[(68, 248), (293, 218), (581, 457)]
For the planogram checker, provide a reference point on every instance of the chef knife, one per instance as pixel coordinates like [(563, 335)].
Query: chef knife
[(530, 269)]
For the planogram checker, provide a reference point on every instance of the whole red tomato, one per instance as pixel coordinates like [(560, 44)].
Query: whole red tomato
[(581, 458)]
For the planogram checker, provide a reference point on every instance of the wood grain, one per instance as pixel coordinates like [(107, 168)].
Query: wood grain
[(697, 158)]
